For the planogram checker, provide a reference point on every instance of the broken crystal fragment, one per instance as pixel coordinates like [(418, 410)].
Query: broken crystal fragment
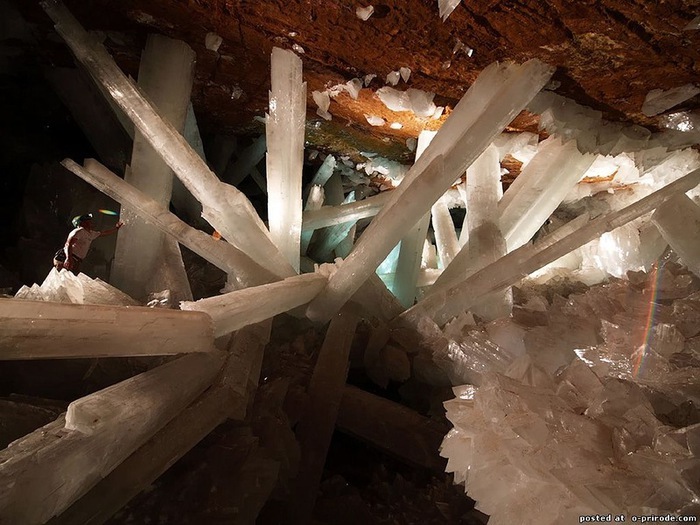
[(393, 78), (323, 101), (363, 13), (212, 41), (353, 87), (405, 73), (373, 120), (446, 7)]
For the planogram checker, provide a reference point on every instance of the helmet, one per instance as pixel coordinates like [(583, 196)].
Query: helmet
[(77, 221)]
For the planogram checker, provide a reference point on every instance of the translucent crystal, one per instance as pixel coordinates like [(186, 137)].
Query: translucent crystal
[(479, 117), (246, 272), (678, 220), (285, 153), (509, 269), (165, 75), (659, 100), (446, 7), (234, 310), (539, 189), (228, 210), (363, 13)]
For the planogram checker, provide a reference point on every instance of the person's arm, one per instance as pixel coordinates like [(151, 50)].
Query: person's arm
[(112, 230), (69, 253)]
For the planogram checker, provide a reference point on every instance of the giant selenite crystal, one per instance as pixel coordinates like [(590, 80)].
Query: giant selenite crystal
[(678, 220), (224, 207), (540, 188), (47, 470), (141, 257), (497, 96), (506, 271), (241, 269), (285, 153), (49, 330), (485, 242)]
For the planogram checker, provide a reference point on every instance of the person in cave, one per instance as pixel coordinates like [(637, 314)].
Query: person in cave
[(71, 256)]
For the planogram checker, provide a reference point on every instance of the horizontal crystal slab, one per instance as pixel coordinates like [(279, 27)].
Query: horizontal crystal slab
[(44, 330)]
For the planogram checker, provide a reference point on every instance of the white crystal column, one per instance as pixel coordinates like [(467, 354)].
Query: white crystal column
[(523, 261), (234, 310), (227, 398), (486, 243), (224, 207), (46, 330), (445, 234), (354, 211), (678, 220), (411, 246), (314, 202), (408, 265), (221, 254), (497, 96), (540, 188), (166, 72), (328, 239), (285, 153)]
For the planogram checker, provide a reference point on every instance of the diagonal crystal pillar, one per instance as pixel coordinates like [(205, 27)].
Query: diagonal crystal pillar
[(285, 153), (508, 270), (315, 429), (246, 162), (497, 96), (221, 254), (485, 242), (338, 214), (234, 310), (678, 220), (47, 470), (224, 207), (166, 72), (540, 188)]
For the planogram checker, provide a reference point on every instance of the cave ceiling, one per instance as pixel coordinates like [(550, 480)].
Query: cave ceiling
[(609, 54)]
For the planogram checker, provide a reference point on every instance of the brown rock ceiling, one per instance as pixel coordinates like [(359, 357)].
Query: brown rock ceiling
[(608, 54)]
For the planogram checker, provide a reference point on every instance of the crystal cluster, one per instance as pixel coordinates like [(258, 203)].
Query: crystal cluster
[(64, 287), (597, 415)]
